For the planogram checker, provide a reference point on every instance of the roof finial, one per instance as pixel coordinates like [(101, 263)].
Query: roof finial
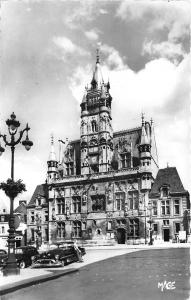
[(143, 118), (151, 121), (97, 55), (167, 165), (52, 139)]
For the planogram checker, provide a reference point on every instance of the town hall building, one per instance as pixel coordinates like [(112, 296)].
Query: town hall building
[(98, 191)]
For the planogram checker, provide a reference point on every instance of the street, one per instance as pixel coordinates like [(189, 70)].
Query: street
[(147, 274)]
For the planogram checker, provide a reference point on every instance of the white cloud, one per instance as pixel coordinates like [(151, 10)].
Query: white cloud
[(166, 49), (82, 76), (173, 17), (92, 35), (113, 58), (67, 46), (103, 11)]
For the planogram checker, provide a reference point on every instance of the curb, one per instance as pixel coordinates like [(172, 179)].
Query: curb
[(29, 282)]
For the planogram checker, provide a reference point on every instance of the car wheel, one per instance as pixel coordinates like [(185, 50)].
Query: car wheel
[(22, 264)]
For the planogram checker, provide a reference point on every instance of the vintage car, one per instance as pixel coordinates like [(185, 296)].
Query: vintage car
[(3, 256), (64, 254), (24, 256), (46, 263)]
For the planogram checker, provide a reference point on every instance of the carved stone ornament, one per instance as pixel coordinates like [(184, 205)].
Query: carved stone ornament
[(109, 215)]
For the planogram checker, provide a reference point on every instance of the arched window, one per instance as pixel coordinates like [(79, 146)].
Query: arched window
[(94, 126)]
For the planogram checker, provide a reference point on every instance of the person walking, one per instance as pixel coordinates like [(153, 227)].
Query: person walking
[(78, 252)]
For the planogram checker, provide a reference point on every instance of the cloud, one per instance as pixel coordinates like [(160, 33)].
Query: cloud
[(113, 58), (169, 50), (92, 35), (161, 86), (174, 16), (68, 47), (170, 17)]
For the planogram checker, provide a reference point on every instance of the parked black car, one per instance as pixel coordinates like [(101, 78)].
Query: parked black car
[(24, 256), (3, 256), (64, 254)]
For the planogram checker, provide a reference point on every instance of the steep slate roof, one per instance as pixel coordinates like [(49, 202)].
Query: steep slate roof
[(40, 190), (168, 176), (21, 208)]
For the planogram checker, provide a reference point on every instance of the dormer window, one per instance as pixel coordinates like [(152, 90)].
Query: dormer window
[(38, 201), (164, 192)]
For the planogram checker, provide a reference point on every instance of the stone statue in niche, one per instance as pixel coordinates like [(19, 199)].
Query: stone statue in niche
[(53, 214)]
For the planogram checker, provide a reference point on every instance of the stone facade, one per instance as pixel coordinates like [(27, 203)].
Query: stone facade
[(98, 191)]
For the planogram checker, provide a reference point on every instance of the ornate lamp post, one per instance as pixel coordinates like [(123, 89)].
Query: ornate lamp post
[(13, 188)]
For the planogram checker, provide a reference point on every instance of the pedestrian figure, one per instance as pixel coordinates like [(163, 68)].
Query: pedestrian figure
[(78, 252)]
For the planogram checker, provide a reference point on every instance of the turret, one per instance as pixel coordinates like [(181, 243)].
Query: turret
[(52, 163)]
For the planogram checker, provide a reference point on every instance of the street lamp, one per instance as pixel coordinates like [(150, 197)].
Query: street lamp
[(13, 125)]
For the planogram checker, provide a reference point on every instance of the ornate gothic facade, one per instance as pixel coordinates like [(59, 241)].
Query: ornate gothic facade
[(99, 190)]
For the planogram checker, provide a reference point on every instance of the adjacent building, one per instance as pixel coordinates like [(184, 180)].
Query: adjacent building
[(98, 190), (20, 215), (171, 206)]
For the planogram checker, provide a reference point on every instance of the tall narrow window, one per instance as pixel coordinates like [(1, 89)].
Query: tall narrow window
[(176, 207), (120, 201), (133, 200), (155, 228), (77, 229), (61, 206), (32, 234), (70, 168), (61, 230), (46, 234), (165, 207), (177, 227), (125, 160), (76, 204), (155, 208), (32, 216), (134, 227)]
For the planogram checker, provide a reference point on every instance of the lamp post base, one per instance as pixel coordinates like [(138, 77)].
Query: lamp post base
[(11, 270)]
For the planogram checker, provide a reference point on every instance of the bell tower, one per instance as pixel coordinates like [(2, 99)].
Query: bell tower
[(96, 128)]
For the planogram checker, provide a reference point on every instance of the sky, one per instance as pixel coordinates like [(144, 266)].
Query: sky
[(48, 53)]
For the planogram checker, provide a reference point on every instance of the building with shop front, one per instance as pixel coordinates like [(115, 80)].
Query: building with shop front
[(171, 206), (98, 191)]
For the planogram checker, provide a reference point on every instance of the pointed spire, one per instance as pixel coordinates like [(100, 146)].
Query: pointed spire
[(144, 137), (52, 155), (143, 119), (97, 56), (97, 79)]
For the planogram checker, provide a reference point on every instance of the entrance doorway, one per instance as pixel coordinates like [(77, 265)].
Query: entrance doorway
[(166, 235), (121, 236)]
